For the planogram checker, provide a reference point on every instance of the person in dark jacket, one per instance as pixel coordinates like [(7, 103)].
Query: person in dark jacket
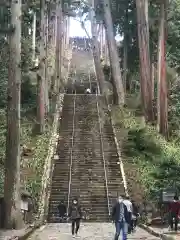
[(62, 210), (75, 214), (121, 218), (174, 210)]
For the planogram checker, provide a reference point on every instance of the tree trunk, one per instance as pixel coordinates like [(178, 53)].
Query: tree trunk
[(153, 78), (41, 75), (125, 59), (106, 53), (162, 106), (96, 52), (53, 37), (13, 217), (125, 49), (58, 46), (34, 38), (101, 40), (113, 54), (65, 36), (63, 40), (46, 90), (145, 68)]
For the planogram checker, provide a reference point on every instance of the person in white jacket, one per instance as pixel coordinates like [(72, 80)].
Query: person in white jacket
[(88, 91), (129, 206)]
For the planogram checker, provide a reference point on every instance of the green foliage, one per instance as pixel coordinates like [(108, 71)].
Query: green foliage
[(174, 110), (173, 42), (3, 70), (2, 146), (34, 164), (125, 23), (157, 160), (28, 92), (141, 143), (31, 166)]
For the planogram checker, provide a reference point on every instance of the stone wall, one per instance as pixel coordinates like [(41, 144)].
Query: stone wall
[(48, 165)]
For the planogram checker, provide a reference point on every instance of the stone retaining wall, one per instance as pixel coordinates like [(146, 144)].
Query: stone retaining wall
[(48, 165)]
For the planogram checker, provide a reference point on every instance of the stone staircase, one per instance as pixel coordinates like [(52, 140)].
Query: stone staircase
[(93, 155), (88, 177), (60, 178)]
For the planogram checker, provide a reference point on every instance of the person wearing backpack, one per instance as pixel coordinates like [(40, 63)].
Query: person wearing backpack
[(121, 218), (135, 216)]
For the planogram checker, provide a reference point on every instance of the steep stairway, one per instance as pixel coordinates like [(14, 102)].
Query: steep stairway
[(88, 176), (87, 166), (60, 179)]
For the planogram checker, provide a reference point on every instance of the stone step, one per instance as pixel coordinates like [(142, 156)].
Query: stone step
[(85, 136)]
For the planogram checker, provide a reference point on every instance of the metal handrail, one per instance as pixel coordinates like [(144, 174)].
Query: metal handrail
[(71, 154), (118, 152), (90, 81), (102, 149)]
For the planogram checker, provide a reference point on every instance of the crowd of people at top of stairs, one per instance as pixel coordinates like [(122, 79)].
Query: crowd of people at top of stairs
[(124, 215)]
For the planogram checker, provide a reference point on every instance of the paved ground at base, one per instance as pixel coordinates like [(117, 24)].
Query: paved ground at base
[(6, 234), (165, 231), (88, 231)]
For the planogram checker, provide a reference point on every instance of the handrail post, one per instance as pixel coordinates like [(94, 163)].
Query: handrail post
[(71, 154)]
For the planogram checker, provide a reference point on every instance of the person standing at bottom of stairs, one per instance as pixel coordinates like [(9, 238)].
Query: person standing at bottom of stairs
[(75, 215), (62, 211), (121, 218), (174, 210)]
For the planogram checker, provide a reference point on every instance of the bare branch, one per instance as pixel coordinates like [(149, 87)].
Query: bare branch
[(84, 28)]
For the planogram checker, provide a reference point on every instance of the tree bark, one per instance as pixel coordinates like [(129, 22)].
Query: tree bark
[(125, 49), (41, 74), (54, 43), (13, 217), (153, 77), (145, 68), (96, 52), (106, 50), (46, 90), (34, 37), (58, 46), (101, 40), (113, 54), (162, 105), (125, 67)]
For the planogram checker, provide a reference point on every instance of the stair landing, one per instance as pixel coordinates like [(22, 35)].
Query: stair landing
[(88, 231)]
